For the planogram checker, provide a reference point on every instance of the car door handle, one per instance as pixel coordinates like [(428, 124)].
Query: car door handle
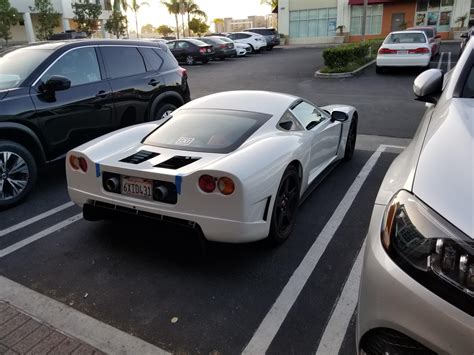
[(102, 94), (153, 82)]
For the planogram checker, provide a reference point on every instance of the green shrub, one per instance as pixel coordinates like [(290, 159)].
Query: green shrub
[(345, 55)]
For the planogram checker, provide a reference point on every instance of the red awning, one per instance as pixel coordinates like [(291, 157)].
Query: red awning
[(361, 2)]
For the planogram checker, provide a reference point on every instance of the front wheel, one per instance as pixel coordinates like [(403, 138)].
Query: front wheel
[(285, 206), (351, 139), (18, 173)]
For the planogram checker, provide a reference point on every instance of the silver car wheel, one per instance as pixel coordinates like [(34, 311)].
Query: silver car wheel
[(14, 175), (189, 60), (166, 114)]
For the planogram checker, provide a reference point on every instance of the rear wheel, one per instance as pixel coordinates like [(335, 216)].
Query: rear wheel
[(269, 48), (190, 60), (205, 61), (18, 173), (285, 206), (164, 111), (379, 70)]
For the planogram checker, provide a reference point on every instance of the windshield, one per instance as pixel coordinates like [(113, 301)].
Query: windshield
[(17, 65), (205, 130), (413, 37)]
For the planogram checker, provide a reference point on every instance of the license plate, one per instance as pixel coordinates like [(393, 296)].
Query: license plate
[(137, 187), (402, 52)]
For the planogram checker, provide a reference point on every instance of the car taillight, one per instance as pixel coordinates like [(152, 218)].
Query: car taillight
[(422, 50), (78, 163), (207, 183), (183, 72), (202, 50), (387, 51), (226, 185)]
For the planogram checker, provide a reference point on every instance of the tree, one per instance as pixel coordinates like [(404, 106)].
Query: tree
[(217, 23), (135, 7), (86, 16), (116, 24), (198, 26), (48, 19), (9, 16), (192, 8), (173, 8), (272, 3), (164, 30), (121, 5), (461, 19), (148, 28)]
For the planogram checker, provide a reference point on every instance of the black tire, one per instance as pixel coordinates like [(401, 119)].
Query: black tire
[(190, 60), (379, 70), (253, 49), (285, 206), (20, 166), (269, 48), (205, 61), (351, 139), (163, 110)]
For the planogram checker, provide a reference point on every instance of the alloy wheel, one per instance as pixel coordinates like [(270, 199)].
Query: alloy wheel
[(286, 204), (14, 175)]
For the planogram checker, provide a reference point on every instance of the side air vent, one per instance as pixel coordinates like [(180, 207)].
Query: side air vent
[(177, 162), (139, 157)]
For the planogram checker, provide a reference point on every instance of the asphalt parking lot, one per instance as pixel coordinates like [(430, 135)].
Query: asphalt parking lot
[(157, 283)]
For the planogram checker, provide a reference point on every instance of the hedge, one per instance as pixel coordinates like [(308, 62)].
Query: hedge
[(344, 55)]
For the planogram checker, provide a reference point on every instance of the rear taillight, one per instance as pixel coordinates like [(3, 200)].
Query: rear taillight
[(78, 163), (202, 50), (422, 50), (183, 72), (207, 183), (387, 51), (226, 185)]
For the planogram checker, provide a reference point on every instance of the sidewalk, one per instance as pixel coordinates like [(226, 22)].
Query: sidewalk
[(22, 334)]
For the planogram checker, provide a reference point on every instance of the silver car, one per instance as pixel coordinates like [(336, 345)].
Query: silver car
[(417, 285)]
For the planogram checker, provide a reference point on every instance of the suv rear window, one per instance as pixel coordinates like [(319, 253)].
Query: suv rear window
[(207, 130)]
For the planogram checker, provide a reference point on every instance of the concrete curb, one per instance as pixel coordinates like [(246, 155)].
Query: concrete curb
[(318, 74)]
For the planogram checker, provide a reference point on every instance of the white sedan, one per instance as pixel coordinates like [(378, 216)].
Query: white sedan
[(232, 165), (241, 49), (254, 40), (404, 49)]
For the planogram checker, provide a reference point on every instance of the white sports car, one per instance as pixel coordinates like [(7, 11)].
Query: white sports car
[(233, 165)]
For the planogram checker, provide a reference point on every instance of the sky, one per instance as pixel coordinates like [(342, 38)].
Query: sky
[(156, 14)]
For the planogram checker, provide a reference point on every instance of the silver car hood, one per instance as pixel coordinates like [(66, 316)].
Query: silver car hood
[(444, 177)]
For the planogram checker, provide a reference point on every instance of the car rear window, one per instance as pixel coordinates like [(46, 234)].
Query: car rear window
[(415, 37), (207, 130), (17, 65), (197, 42)]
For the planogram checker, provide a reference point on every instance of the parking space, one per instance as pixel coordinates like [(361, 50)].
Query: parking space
[(161, 284)]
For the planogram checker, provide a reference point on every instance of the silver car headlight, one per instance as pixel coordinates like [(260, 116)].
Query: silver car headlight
[(430, 249)]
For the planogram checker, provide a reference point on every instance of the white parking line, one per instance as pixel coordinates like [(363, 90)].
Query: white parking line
[(336, 328), (449, 61), (39, 235), (272, 322), (35, 219), (440, 60)]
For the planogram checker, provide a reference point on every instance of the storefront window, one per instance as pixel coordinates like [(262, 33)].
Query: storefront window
[(313, 23), (373, 24), (471, 18), (436, 13)]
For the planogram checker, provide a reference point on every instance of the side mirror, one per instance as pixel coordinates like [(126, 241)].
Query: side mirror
[(428, 85), (464, 35), (339, 116), (56, 83)]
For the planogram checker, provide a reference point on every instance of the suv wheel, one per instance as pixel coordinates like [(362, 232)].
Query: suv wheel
[(164, 111), (18, 172)]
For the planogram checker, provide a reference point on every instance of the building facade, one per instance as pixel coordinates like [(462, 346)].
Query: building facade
[(25, 30), (332, 21), (236, 25)]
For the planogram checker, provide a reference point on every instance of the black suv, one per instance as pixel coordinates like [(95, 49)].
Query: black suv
[(67, 35), (271, 35), (55, 96)]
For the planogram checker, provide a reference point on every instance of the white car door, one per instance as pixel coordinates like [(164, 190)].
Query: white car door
[(325, 135)]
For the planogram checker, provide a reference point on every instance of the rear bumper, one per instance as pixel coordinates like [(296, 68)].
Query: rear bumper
[(395, 60), (391, 299), (213, 229)]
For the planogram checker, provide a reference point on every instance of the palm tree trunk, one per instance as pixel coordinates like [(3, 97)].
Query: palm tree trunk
[(136, 23), (189, 30), (182, 21), (177, 25)]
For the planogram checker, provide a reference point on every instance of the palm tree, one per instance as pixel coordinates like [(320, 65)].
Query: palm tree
[(135, 7), (191, 8), (121, 5), (173, 8)]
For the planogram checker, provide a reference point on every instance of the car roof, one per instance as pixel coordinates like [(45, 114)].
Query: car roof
[(422, 28), (71, 43), (272, 103), (406, 31)]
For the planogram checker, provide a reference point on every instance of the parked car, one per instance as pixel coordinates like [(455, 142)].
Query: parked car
[(67, 35), (55, 96), (271, 35), (404, 49), (433, 37), (232, 165), (254, 40), (222, 49), (191, 51), (241, 49), (417, 285), (466, 36)]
